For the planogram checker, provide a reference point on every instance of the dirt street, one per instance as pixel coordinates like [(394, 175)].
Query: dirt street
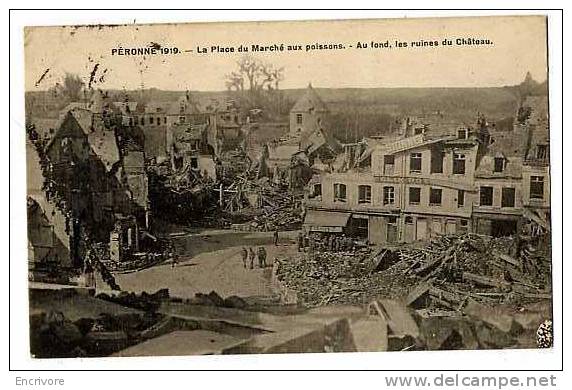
[(211, 260)]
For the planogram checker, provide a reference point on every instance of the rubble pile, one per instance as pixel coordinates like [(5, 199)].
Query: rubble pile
[(279, 211), (144, 301), (444, 274), (481, 267), (259, 205), (55, 335), (478, 327), (155, 254), (184, 197), (340, 278)]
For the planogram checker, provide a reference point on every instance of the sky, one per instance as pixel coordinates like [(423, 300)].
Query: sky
[(518, 45)]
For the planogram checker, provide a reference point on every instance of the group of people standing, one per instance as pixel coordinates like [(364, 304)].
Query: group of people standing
[(249, 257), (325, 242)]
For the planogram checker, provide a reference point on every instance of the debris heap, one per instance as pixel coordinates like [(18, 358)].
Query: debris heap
[(443, 275), (259, 205)]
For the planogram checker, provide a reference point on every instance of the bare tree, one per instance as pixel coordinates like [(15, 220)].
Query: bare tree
[(252, 77), (72, 87)]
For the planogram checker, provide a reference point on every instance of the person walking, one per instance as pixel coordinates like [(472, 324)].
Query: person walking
[(300, 242), (262, 257), (343, 243), (244, 254), (251, 257), (312, 245), (89, 272), (174, 256), (276, 237)]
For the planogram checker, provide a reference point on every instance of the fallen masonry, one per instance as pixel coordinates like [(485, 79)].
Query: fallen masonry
[(73, 323), (451, 278), (450, 268)]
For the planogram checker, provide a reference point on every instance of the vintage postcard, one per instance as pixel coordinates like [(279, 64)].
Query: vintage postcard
[(287, 187)]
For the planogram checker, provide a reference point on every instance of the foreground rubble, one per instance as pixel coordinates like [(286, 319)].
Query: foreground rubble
[(455, 292), (444, 274)]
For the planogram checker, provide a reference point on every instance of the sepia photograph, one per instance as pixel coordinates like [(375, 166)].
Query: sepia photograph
[(288, 187)]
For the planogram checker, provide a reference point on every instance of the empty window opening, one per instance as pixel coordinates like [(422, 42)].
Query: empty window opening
[(317, 191), (388, 164), (435, 196), (542, 152), (508, 197), (339, 192), (486, 196), (499, 164), (458, 164), (415, 162), (463, 226), (414, 195), (460, 198), (364, 194), (360, 227), (537, 187)]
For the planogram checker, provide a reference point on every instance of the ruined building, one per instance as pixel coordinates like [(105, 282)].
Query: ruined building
[(307, 141), (420, 185), (94, 181)]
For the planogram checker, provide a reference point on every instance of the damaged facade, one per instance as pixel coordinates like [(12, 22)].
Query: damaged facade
[(422, 185), (94, 178)]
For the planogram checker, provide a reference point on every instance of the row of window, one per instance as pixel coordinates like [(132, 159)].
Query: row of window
[(437, 157), (508, 194), (157, 121), (364, 195), (486, 196), (152, 120), (486, 193), (416, 163)]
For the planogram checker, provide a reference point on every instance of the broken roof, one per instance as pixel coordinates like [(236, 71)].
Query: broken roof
[(126, 108), (102, 140), (157, 107), (189, 132), (310, 101), (71, 106), (184, 106), (508, 143), (314, 140), (403, 144), (282, 151)]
